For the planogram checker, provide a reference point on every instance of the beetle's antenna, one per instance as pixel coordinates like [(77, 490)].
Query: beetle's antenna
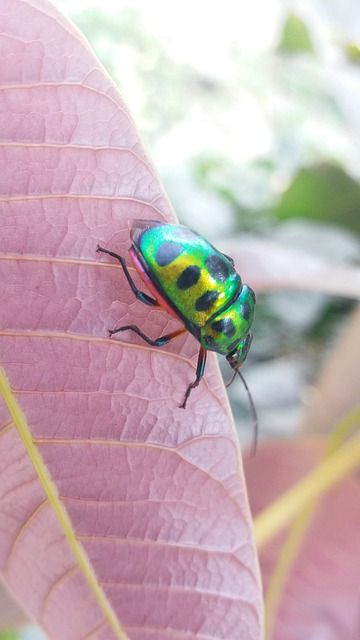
[(253, 413), (252, 407)]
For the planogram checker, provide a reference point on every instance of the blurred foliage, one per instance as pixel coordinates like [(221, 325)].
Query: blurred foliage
[(27, 632), (219, 177), (322, 192), (332, 317), (152, 81), (295, 37), (11, 634), (353, 53)]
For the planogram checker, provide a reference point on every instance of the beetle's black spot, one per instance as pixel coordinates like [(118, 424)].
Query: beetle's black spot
[(246, 311), (217, 266), (188, 277), (206, 300), (167, 252), (225, 326), (209, 341)]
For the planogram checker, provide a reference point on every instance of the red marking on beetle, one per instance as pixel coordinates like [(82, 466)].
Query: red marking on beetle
[(150, 285)]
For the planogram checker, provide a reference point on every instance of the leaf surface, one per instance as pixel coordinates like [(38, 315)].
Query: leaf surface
[(121, 514)]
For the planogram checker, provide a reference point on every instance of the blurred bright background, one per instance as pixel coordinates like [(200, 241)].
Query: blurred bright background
[(250, 112)]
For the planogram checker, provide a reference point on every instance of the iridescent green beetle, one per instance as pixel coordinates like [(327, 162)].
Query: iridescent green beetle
[(197, 284)]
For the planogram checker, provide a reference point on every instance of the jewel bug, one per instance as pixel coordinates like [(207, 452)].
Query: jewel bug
[(188, 277)]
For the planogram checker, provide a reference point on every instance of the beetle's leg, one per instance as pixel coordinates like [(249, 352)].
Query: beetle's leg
[(139, 294), (159, 342), (199, 374)]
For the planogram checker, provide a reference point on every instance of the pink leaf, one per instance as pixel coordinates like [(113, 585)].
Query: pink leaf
[(269, 266), (320, 599), (121, 514), (337, 390)]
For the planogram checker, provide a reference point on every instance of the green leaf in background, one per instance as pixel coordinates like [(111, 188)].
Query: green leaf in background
[(27, 632), (11, 634), (353, 53), (322, 192), (295, 37)]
